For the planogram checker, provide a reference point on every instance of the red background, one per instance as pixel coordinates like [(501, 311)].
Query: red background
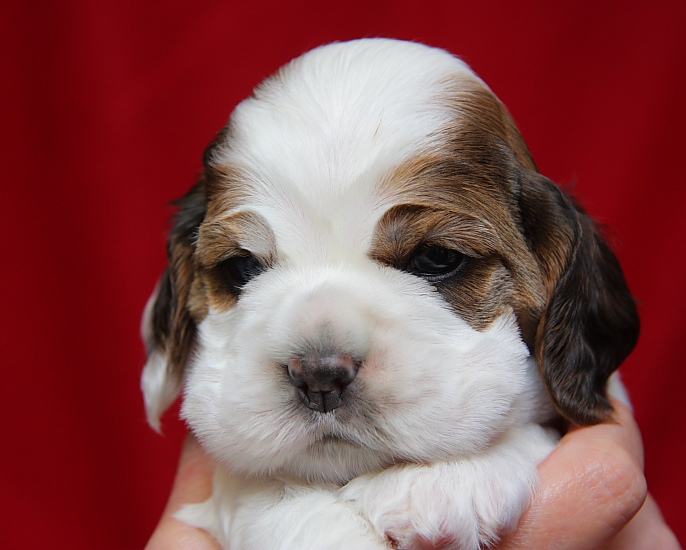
[(106, 108)]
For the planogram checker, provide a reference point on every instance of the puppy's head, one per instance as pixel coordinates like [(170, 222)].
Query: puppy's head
[(372, 270)]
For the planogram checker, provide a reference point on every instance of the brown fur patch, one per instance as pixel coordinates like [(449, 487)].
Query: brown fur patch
[(178, 304), (182, 298), (483, 287), (529, 247), (221, 238), (471, 181)]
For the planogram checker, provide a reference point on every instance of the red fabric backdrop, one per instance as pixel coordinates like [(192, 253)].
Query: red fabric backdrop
[(106, 108)]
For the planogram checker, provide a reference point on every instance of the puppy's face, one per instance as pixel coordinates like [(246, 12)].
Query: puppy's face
[(372, 271)]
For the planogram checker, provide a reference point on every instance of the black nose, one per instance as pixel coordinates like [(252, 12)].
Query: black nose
[(321, 380)]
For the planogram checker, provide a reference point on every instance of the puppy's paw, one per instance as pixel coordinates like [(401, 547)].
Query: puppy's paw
[(446, 505), (465, 504)]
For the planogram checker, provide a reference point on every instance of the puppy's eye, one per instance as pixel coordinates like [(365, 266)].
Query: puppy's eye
[(435, 263), (238, 270)]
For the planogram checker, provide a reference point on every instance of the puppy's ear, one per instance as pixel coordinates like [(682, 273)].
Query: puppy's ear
[(169, 322), (589, 324)]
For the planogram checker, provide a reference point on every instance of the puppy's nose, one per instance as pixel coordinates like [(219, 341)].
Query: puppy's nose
[(321, 380)]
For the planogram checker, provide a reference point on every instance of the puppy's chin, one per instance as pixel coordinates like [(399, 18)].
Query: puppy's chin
[(336, 460)]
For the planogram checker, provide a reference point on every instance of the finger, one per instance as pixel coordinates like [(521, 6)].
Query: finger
[(628, 436), (646, 531), (193, 483), (590, 487)]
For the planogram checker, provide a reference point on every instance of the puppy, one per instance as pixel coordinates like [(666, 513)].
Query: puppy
[(376, 307)]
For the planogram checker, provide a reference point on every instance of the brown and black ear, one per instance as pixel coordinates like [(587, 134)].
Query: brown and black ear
[(590, 323), (169, 322)]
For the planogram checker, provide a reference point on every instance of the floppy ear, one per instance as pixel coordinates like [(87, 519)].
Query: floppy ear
[(589, 324), (169, 322)]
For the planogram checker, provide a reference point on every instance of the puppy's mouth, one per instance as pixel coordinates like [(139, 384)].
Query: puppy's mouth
[(333, 439), (349, 426), (327, 435)]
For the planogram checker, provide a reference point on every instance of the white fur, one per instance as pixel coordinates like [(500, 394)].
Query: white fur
[(616, 390), (441, 440), (159, 389)]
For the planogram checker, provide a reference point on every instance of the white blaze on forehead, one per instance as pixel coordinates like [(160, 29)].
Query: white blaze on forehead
[(317, 138)]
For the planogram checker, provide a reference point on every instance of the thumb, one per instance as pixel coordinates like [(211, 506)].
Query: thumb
[(193, 483)]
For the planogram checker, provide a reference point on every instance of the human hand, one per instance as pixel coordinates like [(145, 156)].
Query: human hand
[(591, 496), (193, 483)]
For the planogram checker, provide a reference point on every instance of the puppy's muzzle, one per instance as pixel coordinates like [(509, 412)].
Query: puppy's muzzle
[(321, 380)]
